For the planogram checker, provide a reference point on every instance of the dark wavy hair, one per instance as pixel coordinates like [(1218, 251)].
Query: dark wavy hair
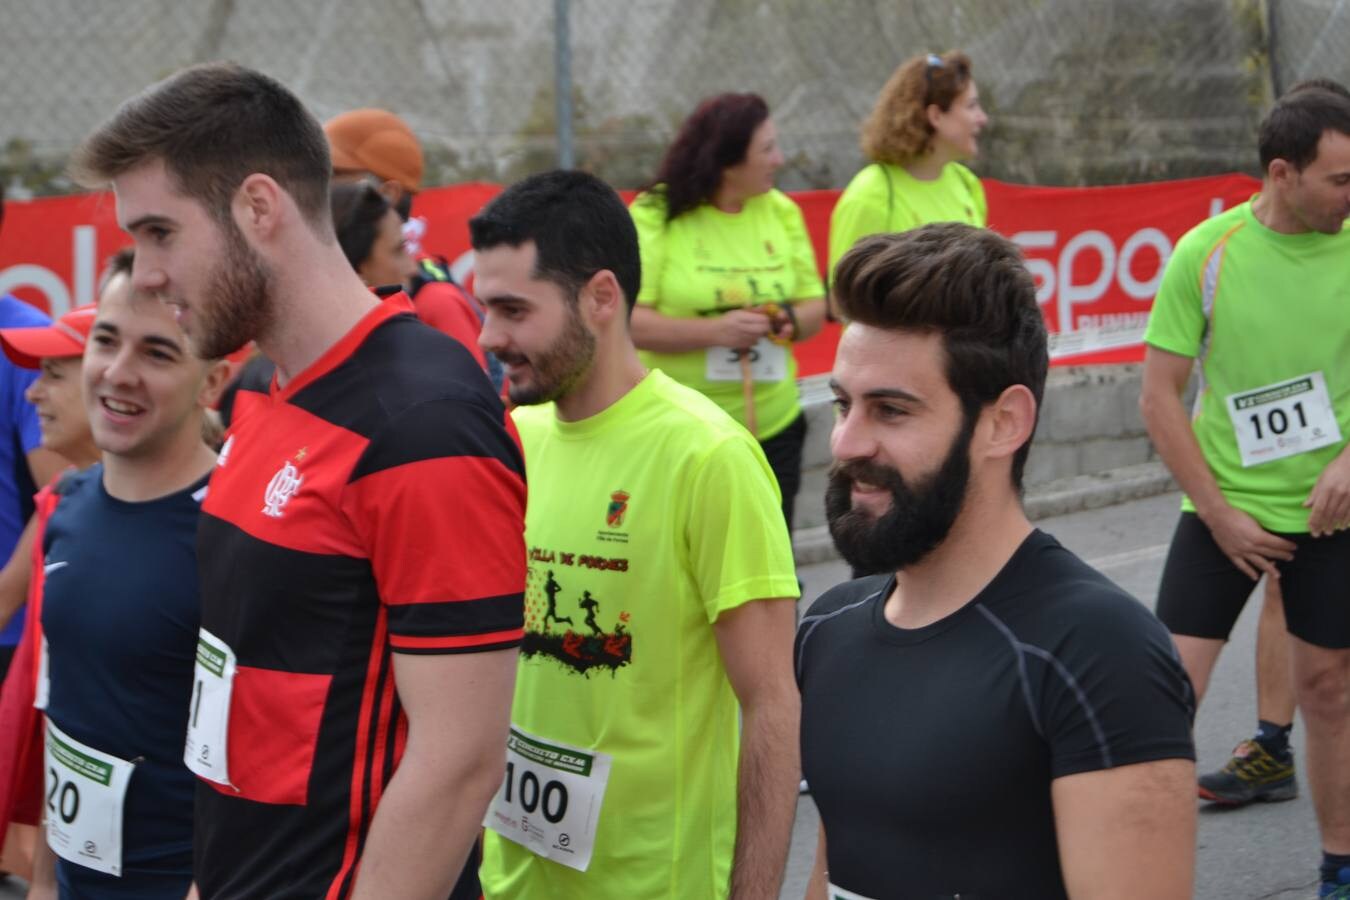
[(357, 210), (968, 285), (714, 137)]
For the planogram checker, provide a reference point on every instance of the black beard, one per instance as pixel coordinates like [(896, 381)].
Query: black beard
[(558, 369), (919, 518)]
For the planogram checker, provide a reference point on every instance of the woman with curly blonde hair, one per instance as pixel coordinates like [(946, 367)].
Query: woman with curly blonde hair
[(926, 119)]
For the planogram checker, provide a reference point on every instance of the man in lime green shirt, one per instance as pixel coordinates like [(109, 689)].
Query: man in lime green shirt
[(1258, 297), (659, 595)]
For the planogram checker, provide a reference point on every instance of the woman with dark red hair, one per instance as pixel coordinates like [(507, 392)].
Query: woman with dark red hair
[(729, 278)]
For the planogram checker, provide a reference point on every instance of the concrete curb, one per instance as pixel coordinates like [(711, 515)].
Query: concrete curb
[(1054, 498)]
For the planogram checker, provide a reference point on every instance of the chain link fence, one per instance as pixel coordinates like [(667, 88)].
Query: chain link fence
[(1079, 91)]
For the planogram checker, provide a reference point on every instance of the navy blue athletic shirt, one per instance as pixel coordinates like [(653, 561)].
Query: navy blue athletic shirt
[(120, 613)]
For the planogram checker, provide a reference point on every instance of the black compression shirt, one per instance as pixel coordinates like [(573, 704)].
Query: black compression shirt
[(930, 751)]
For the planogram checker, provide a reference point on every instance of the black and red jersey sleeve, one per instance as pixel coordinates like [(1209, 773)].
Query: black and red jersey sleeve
[(438, 498)]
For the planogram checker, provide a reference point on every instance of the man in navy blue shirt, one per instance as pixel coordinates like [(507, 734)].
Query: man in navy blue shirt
[(121, 614)]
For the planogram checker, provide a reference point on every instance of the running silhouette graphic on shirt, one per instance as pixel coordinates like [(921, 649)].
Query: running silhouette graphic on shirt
[(579, 651), (551, 589)]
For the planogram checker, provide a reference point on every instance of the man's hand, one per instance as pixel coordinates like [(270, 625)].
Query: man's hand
[(1330, 498), (740, 328), (1246, 544)]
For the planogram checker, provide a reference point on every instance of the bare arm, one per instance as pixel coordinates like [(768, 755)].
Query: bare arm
[(452, 765), (819, 884), (1250, 547), (14, 576), (810, 318), (1128, 832), (755, 642), (1330, 497)]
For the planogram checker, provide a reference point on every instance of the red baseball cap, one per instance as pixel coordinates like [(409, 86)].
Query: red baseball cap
[(27, 347)]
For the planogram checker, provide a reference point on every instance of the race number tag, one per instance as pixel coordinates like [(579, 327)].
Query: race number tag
[(833, 892), (1283, 419), (768, 362), (549, 802), (44, 680), (85, 793), (209, 716)]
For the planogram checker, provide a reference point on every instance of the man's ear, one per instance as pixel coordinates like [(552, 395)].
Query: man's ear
[(213, 385), (1011, 422), (604, 298), (258, 205)]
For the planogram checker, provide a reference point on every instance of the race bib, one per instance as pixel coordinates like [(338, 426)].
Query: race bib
[(85, 793), (1283, 419), (768, 362), (204, 751), (44, 681), (549, 802), (834, 892)]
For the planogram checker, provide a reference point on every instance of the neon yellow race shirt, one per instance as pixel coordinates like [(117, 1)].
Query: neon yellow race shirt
[(884, 198), (646, 523), (708, 262), (1268, 317)]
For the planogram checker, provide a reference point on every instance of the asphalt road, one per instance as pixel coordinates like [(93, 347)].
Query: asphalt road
[(1269, 851)]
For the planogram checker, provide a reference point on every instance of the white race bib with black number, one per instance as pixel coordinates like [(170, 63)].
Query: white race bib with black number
[(838, 893), (85, 793), (204, 751), (768, 362), (1283, 419), (549, 803)]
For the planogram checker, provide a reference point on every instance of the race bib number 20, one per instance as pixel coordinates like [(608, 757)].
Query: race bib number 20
[(86, 790), (550, 799)]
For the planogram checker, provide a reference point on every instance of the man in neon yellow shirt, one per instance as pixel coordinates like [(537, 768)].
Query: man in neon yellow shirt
[(653, 525), (1258, 296)]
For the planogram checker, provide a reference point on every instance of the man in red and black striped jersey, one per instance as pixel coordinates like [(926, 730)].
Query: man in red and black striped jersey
[(361, 548)]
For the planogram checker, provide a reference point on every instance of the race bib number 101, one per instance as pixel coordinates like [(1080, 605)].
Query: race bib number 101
[(550, 800), (1283, 419)]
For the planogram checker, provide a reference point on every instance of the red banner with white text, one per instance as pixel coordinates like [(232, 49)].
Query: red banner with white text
[(1097, 253)]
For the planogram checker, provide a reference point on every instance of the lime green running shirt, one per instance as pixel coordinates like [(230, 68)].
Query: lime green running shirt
[(884, 198), (1265, 314), (646, 523), (709, 262)]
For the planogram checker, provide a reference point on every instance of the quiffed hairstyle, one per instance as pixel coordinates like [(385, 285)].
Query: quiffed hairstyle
[(898, 130), (716, 136), (578, 224), (212, 126), (1294, 126), (968, 285), (358, 208)]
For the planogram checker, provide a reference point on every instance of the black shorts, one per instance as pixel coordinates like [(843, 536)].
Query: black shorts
[(1202, 592)]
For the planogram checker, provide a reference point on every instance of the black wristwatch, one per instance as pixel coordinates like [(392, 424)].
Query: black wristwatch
[(792, 317)]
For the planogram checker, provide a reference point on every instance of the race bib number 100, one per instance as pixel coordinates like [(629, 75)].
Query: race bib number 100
[(205, 750), (550, 800), (1283, 419)]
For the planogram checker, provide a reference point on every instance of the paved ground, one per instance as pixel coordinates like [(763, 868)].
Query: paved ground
[(1264, 853)]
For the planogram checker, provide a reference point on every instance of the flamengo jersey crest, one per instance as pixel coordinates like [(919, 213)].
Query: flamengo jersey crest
[(281, 488)]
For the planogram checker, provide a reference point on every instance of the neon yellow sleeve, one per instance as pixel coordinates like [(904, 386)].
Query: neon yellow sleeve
[(649, 216), (1177, 321), (806, 283), (862, 210), (738, 542)]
